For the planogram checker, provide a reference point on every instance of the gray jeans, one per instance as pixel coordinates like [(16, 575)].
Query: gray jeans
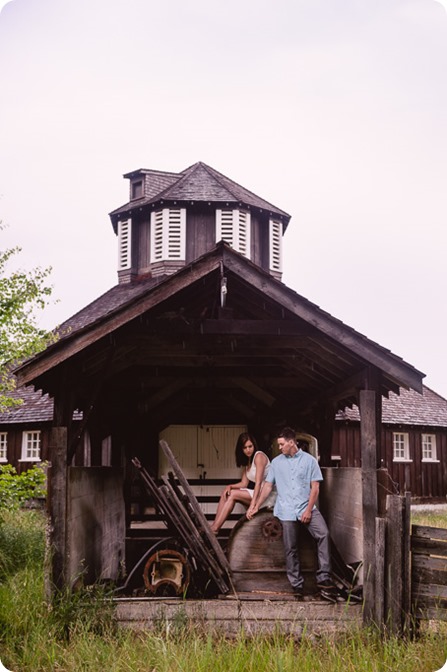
[(319, 531)]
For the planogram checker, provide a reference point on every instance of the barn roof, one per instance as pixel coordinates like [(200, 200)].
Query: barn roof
[(269, 345), (407, 408), (197, 183)]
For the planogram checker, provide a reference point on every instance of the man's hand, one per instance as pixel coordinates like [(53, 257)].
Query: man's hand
[(306, 517)]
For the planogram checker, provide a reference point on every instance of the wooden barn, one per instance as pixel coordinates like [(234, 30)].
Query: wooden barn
[(413, 445), (198, 340)]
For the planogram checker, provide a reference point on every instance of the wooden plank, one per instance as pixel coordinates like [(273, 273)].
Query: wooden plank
[(368, 441), (426, 532), (380, 572), (394, 583), (420, 546), (406, 563), (211, 538), (171, 504)]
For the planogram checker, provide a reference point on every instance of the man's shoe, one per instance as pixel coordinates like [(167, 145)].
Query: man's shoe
[(298, 593), (326, 585)]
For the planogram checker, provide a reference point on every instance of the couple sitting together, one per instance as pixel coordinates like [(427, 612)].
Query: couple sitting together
[(296, 475)]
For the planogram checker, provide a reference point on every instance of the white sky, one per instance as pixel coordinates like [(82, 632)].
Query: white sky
[(333, 110)]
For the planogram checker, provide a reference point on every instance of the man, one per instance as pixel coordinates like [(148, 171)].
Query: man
[(297, 477)]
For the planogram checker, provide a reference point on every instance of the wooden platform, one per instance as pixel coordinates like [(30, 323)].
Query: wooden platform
[(252, 613)]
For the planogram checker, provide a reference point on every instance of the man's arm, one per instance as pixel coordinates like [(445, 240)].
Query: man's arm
[(255, 505), (314, 492)]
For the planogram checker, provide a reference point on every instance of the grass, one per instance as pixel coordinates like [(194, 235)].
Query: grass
[(431, 518), (79, 633)]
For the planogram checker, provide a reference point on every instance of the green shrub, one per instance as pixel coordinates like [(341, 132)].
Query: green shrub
[(16, 489)]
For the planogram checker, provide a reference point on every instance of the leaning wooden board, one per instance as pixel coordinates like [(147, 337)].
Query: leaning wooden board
[(199, 517)]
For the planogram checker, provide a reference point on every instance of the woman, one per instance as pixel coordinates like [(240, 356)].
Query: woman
[(256, 465)]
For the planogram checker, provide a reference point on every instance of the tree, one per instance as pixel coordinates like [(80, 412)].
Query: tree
[(22, 295)]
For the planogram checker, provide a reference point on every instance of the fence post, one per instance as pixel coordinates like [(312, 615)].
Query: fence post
[(394, 564), (379, 610)]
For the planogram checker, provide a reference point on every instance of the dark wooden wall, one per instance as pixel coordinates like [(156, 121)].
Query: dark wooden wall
[(15, 433), (422, 479)]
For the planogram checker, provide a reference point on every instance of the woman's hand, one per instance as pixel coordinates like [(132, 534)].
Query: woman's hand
[(252, 509)]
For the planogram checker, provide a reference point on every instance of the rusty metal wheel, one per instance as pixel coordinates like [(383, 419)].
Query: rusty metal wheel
[(272, 529)]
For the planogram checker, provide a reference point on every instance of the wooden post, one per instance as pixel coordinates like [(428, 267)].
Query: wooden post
[(57, 508), (368, 441), (394, 563), (406, 564), (380, 572)]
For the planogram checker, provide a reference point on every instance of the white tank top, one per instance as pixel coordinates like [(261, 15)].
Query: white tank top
[(251, 472)]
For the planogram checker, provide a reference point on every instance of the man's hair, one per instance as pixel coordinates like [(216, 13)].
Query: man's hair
[(287, 433)]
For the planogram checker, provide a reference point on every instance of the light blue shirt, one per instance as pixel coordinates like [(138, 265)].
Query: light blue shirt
[(292, 477)]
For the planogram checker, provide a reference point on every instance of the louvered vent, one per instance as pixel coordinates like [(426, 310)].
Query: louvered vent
[(225, 226), (175, 236), (157, 236), (168, 234), (124, 244), (275, 245), (233, 226)]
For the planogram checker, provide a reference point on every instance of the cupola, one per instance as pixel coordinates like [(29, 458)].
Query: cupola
[(171, 219)]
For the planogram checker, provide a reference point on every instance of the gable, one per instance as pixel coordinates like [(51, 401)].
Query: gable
[(173, 346)]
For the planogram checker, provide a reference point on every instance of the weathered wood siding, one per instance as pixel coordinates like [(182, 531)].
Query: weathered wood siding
[(95, 524), (423, 479), (429, 572), (14, 450)]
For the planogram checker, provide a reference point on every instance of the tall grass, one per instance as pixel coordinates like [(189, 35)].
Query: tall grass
[(79, 633)]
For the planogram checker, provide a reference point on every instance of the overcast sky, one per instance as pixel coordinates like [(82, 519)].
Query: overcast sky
[(333, 110)]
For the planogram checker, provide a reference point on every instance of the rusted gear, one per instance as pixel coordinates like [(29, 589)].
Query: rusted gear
[(272, 529)]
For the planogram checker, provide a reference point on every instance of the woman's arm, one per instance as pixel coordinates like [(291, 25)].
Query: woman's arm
[(243, 483), (260, 461)]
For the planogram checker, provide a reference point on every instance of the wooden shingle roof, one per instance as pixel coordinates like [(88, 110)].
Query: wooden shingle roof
[(407, 408), (197, 183)]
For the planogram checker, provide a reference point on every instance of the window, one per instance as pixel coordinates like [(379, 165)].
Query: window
[(234, 226), (429, 448), (31, 446), (136, 189), (401, 450), (124, 244), (168, 234), (275, 246), (3, 446)]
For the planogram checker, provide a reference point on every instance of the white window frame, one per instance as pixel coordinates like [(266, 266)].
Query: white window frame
[(168, 234), (124, 244), (401, 447), (234, 227), (3, 446), (428, 446), (31, 445), (275, 245)]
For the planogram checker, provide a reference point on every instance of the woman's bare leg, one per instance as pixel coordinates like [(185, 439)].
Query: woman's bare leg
[(226, 506)]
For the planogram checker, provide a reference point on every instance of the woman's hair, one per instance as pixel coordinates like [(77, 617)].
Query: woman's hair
[(241, 459)]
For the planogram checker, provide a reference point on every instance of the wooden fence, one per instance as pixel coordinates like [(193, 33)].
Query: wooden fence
[(411, 569), (429, 572)]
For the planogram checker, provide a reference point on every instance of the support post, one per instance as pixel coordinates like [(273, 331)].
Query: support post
[(369, 431), (57, 509), (394, 563), (380, 572)]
